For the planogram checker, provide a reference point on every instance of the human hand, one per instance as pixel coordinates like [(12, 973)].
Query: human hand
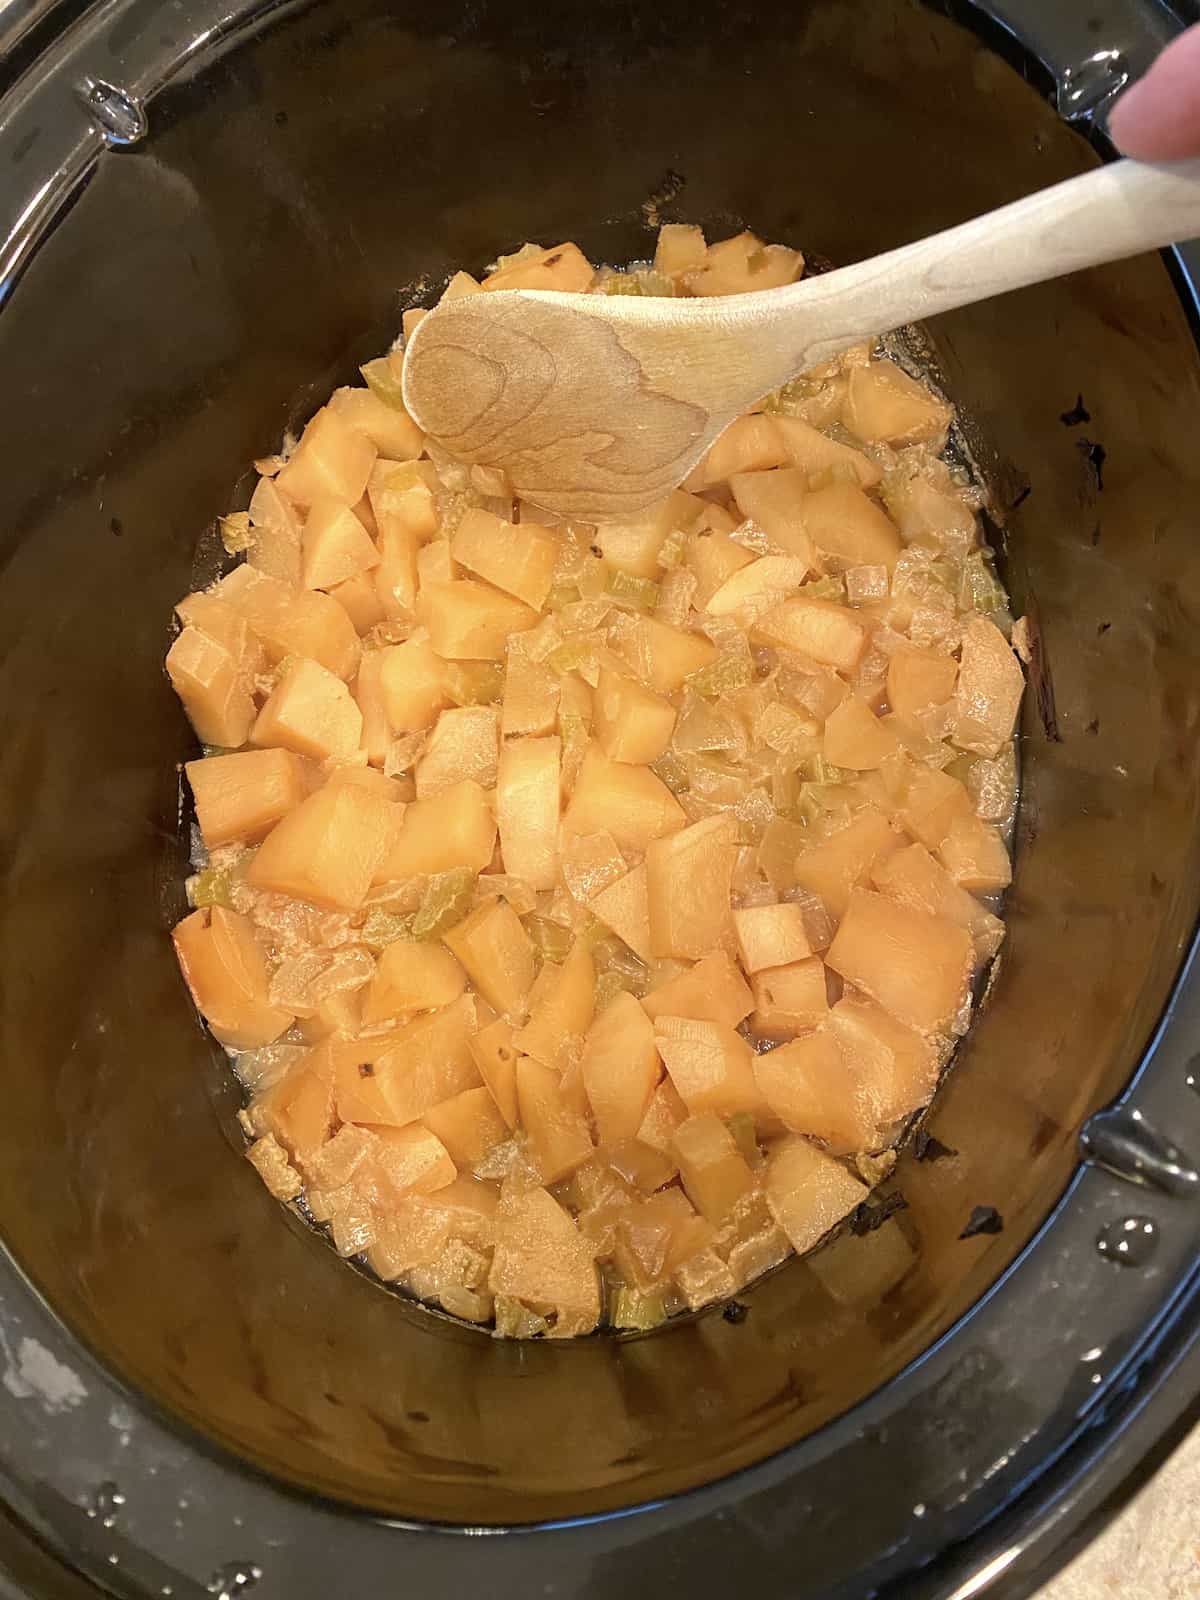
[(1158, 119)]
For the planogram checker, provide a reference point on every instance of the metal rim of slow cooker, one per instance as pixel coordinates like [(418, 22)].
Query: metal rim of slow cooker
[(1023, 1528)]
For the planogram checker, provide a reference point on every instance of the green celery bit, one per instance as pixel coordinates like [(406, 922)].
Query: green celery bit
[(671, 552), (723, 676), (515, 1321), (637, 1311), (639, 592), (236, 533), (741, 1126), (978, 586), (207, 750), (620, 283), (384, 382), (550, 938), (815, 769), (474, 683), (212, 887), (571, 654), (831, 588), (448, 898), (382, 928)]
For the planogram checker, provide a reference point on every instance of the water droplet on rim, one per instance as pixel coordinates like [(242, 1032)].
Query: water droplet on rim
[(233, 1579), (117, 113), (1130, 1242)]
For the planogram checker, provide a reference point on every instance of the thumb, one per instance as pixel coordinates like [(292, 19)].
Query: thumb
[(1158, 119)]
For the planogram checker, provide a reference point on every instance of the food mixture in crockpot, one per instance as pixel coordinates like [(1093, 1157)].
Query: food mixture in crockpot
[(588, 910)]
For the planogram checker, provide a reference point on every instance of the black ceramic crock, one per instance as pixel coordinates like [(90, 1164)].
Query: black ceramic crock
[(209, 211)]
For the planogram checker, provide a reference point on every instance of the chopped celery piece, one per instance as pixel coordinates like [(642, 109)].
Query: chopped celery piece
[(620, 283), (562, 594), (574, 732), (832, 587), (672, 771), (215, 750), (515, 1321), (815, 769), (571, 654), (236, 533), (212, 887), (741, 1127), (671, 552), (611, 954), (626, 589), (448, 898), (383, 381), (474, 683), (978, 586), (382, 928), (637, 1311), (723, 676), (551, 939)]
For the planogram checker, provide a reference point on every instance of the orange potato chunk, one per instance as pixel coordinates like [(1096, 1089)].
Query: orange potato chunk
[(425, 1062), (748, 444), (742, 264), (454, 829), (412, 681), (713, 1171), (542, 1257), (224, 969), (209, 681), (918, 679), (413, 1160), (663, 1115), (990, 686), (808, 1192), (328, 849), (688, 878), (403, 499), (412, 976), (771, 936), (359, 599), (811, 1089), (834, 867), (211, 615), (278, 534), (242, 796), (913, 877), (310, 711), (788, 999), (368, 697), (713, 558), (928, 803), (388, 426), (293, 622), (831, 634), (332, 458), (621, 1068), (663, 656), (813, 452), (560, 266), (298, 1110), (625, 908), (775, 501), (496, 1058), (516, 557), (714, 990), (680, 248), (468, 1124), (531, 695), (884, 403), (845, 523), (630, 803), (336, 545), (632, 723), (527, 802), (974, 855), (470, 621), (558, 1135), (710, 1065), (465, 743), (896, 1066), (856, 738), (633, 546), (916, 966), (760, 587), (495, 949), (562, 1011)]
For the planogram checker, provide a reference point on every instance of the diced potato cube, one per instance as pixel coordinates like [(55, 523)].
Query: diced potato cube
[(742, 264), (359, 599), (663, 1115), (918, 679), (542, 1257), (558, 1136), (748, 444), (856, 738), (928, 803), (757, 588), (531, 694), (710, 1065), (990, 686), (630, 803), (620, 1068), (771, 936), (425, 1062), (454, 829), (831, 634), (680, 248), (688, 879), (713, 558), (714, 990), (812, 1090), (278, 534), (913, 877), (328, 849), (527, 802), (464, 744), (207, 678), (435, 564), (974, 855), (412, 681), (896, 1067), (663, 656), (293, 622), (368, 697), (561, 266), (496, 1057), (633, 546), (220, 621), (814, 452), (412, 976), (625, 908), (298, 1110), (336, 545), (310, 711), (516, 557), (562, 1011), (884, 403), (844, 522), (714, 1173), (789, 999), (403, 500), (332, 458), (242, 796), (471, 621), (468, 1124), (495, 949), (413, 1160), (774, 501), (808, 1192), (384, 422), (839, 863), (632, 723), (224, 969), (916, 966), (589, 863)]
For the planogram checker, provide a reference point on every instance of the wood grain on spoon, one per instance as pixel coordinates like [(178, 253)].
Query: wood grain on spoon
[(597, 406)]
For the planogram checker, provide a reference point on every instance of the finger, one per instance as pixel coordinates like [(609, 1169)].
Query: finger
[(1158, 119)]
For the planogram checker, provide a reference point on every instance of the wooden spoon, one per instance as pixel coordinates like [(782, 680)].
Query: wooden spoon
[(596, 405)]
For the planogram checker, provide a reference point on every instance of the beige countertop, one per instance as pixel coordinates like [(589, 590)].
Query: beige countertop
[(1152, 1550)]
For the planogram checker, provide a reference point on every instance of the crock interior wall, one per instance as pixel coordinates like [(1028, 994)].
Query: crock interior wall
[(164, 335)]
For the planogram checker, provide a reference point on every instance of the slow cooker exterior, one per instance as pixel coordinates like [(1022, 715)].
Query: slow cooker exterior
[(207, 205)]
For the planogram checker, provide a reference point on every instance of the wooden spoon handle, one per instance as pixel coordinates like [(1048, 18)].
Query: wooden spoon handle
[(1118, 210)]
